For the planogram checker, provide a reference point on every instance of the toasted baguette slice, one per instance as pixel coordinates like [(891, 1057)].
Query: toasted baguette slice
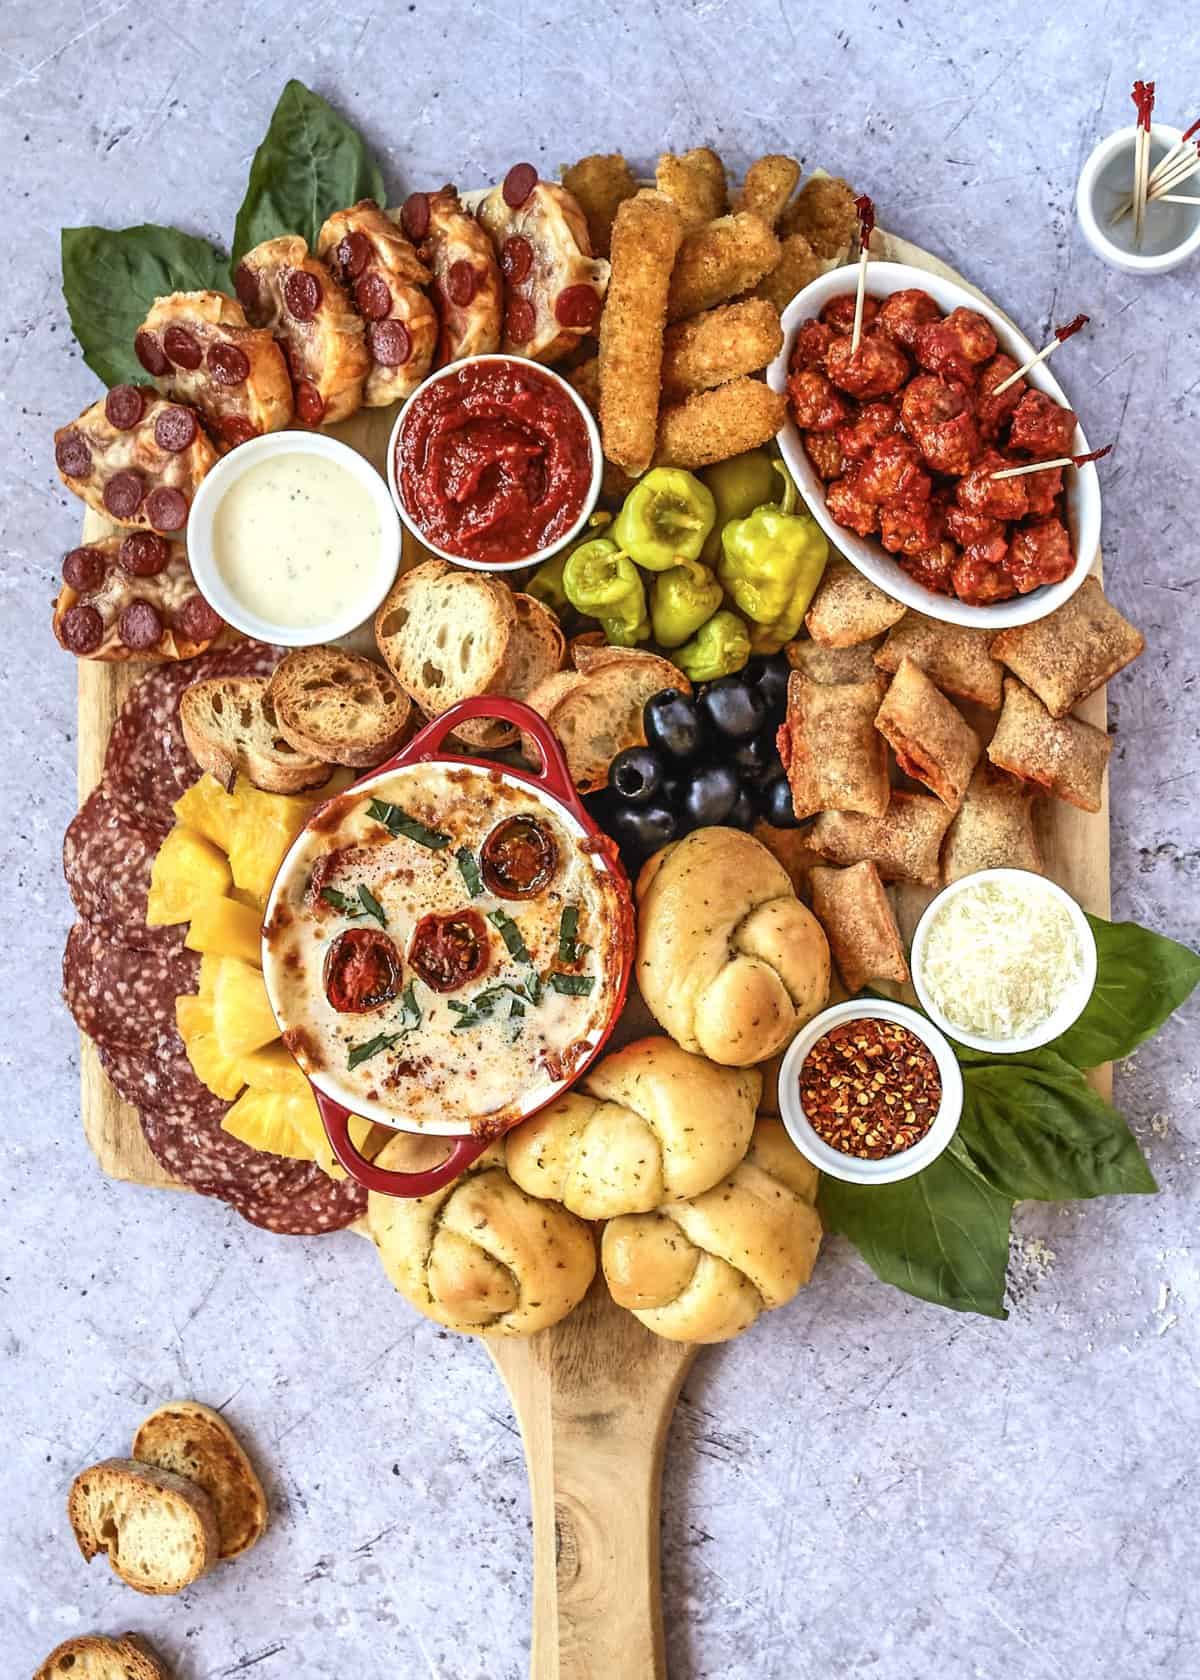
[(230, 727), (599, 714), (536, 651), (337, 705), (93, 1657), (159, 1530), (445, 634), (197, 1443)]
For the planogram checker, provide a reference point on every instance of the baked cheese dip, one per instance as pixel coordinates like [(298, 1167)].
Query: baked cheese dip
[(442, 946)]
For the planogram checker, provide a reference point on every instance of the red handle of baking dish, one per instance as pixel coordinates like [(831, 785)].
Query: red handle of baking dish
[(336, 1120)]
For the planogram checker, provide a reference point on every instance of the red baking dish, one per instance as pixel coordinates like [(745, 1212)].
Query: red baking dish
[(553, 786)]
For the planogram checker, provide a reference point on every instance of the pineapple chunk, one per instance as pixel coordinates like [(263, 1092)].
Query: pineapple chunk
[(188, 870), (208, 809), (209, 967), (265, 1120), (252, 901), (193, 1016), (242, 1018), (227, 929), (273, 1068), (265, 826), (219, 1072)]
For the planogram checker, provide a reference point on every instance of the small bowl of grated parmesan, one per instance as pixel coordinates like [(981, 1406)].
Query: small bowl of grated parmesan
[(1003, 960)]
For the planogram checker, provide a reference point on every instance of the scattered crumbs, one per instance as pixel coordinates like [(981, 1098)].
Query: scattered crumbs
[(1160, 1125), (1030, 1262), (1165, 1323), (1164, 1290)]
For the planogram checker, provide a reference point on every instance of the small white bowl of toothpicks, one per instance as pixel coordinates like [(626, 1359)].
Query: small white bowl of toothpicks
[(1139, 193)]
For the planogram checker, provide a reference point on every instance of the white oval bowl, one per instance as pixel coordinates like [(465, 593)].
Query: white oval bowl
[(1074, 1001), (852, 1169), (540, 554), (868, 555), (1172, 232), (202, 558)]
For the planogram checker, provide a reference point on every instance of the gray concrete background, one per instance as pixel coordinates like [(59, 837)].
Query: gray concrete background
[(864, 1485)]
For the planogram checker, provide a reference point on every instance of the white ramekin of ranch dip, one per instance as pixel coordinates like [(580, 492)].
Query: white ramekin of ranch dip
[(293, 538)]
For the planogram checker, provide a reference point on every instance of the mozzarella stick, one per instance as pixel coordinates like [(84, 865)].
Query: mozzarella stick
[(824, 213), (718, 345), (712, 425), (645, 240), (769, 183), (695, 184), (719, 261), (600, 183), (798, 266)]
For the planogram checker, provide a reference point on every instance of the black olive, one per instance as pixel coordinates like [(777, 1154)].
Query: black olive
[(672, 724), (709, 797), (769, 676), (745, 811), (777, 807), (642, 829), (757, 758), (636, 775), (733, 708)]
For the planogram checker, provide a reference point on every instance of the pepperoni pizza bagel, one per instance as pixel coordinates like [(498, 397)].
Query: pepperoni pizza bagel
[(467, 284), (369, 254), (135, 458), (132, 597), (199, 348)]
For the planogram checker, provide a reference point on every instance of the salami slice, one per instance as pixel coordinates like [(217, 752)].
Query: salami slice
[(107, 856), (187, 1139), (321, 1206), (122, 994)]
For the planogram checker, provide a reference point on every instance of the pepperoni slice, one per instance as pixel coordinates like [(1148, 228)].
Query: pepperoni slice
[(124, 406), (82, 629), (140, 626), (182, 348), (227, 364), (310, 404), (518, 184), (353, 254), (83, 569), (235, 429), (414, 218), (518, 858), (175, 430), (167, 509), (462, 282), (72, 455), (577, 306), (245, 284), (142, 554), (197, 621), (362, 971), (449, 949), (123, 495), (149, 352), (389, 342), (302, 294), (516, 259), (372, 297), (521, 320)]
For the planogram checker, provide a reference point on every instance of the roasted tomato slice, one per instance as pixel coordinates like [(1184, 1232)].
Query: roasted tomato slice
[(362, 971), (519, 858), (449, 949)]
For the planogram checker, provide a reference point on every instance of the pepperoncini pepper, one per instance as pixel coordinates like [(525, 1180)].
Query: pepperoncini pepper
[(681, 601), (771, 563), (546, 584), (738, 486), (720, 647), (665, 518), (599, 579)]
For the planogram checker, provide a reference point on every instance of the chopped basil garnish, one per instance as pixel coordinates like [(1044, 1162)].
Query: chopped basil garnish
[(572, 985), (484, 1005), (568, 927), (372, 905), (411, 1016), (398, 822), (347, 906), (372, 1047), (533, 987), (511, 935), (469, 870)]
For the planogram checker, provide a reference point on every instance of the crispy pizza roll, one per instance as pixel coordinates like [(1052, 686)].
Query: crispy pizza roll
[(932, 740), (377, 265), (719, 261), (601, 183), (135, 458), (791, 848), (798, 266), (282, 286), (993, 828), (645, 239), (467, 289), (848, 608), (903, 844), (769, 184), (1065, 756), (554, 287), (132, 597), (199, 348), (834, 756), (823, 211), (713, 425), (1071, 654), (954, 656), (695, 184), (722, 343), (860, 925), (832, 665)]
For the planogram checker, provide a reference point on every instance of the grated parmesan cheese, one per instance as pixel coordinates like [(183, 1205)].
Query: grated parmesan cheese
[(999, 957)]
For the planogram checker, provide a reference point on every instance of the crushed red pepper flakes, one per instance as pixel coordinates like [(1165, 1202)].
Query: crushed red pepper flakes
[(870, 1088)]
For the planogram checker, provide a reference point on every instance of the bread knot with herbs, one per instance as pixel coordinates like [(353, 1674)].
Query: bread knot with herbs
[(702, 1270), (480, 1254), (729, 961), (646, 1125)]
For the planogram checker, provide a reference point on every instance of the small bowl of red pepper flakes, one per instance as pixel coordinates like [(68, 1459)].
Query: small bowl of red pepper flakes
[(870, 1092)]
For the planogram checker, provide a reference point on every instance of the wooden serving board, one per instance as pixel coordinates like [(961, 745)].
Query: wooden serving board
[(594, 1395)]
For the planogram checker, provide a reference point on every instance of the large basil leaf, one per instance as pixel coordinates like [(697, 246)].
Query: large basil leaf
[(1141, 977), (941, 1235), (1037, 1131), (111, 276), (311, 163)]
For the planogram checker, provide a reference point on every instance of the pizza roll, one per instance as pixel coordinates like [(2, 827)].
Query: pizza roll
[(554, 287), (932, 740), (835, 758), (600, 185), (954, 656), (135, 458), (132, 597), (1065, 756), (823, 664), (282, 286), (467, 289), (199, 348), (993, 828), (1071, 654), (852, 907), (903, 844), (374, 261), (848, 608), (695, 183)]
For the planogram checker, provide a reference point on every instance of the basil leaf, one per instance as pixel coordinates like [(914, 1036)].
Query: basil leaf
[(469, 870), (403, 827), (1037, 1131), (111, 276), (311, 162), (347, 906), (1141, 978), (533, 987), (568, 927), (372, 905), (411, 1009), (371, 1047), (941, 1235), (571, 985), (511, 935)]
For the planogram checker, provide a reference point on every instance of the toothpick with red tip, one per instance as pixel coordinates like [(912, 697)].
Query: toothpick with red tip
[(1143, 99), (1059, 461), (1159, 184), (1061, 335), (1186, 166), (866, 227)]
